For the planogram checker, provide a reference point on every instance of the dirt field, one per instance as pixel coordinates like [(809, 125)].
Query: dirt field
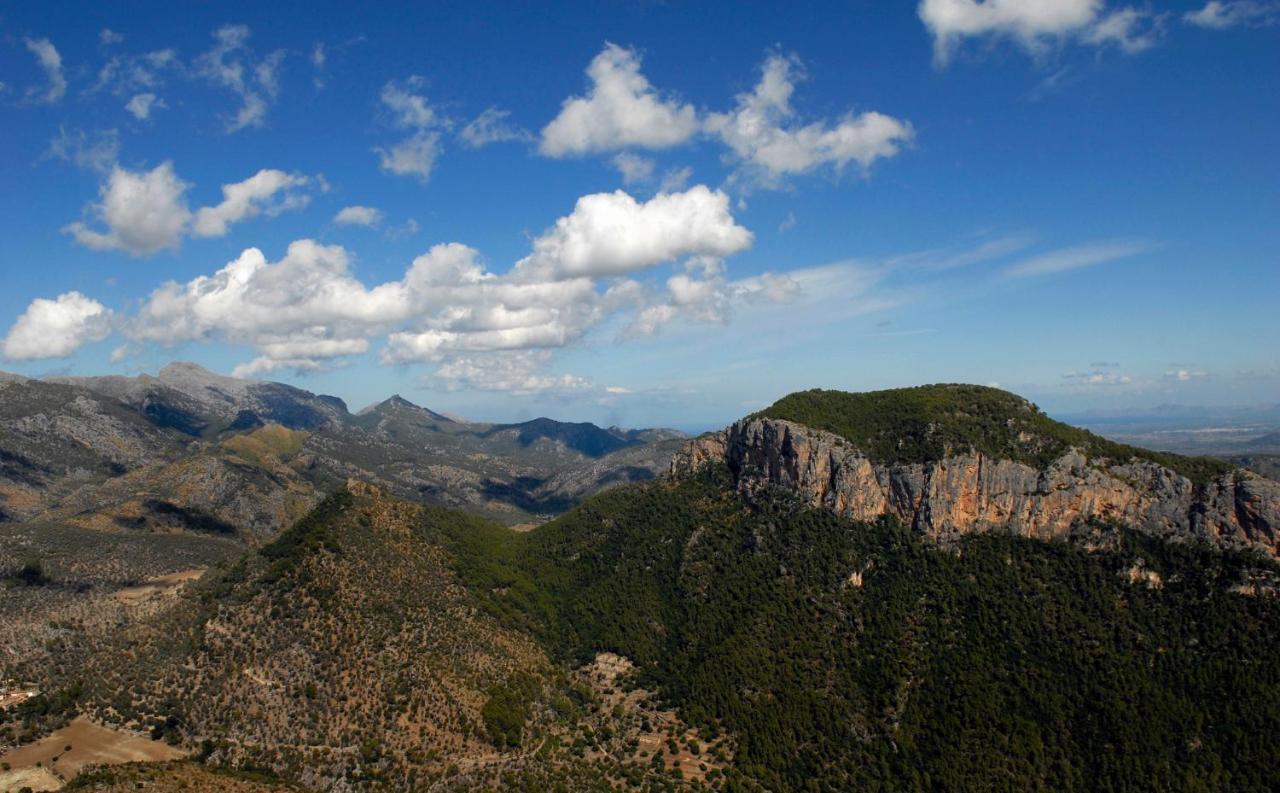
[(34, 778), (48, 763), (157, 587)]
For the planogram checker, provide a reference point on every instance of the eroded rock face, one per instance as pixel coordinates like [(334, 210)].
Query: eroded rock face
[(970, 493)]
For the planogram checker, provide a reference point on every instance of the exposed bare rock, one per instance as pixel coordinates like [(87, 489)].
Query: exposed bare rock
[(966, 493)]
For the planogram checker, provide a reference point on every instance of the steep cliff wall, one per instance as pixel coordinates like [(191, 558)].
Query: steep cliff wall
[(971, 492)]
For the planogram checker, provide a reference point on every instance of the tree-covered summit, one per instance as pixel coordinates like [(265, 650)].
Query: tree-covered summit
[(930, 422)]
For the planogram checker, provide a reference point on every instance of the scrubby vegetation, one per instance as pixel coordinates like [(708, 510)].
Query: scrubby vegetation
[(509, 707), (379, 644), (912, 425), (173, 777), (857, 657), (31, 573)]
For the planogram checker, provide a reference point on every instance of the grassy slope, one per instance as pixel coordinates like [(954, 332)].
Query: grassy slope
[(1014, 664), (911, 425)]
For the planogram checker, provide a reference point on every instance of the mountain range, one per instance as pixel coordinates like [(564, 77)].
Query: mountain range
[(254, 455), (935, 588)]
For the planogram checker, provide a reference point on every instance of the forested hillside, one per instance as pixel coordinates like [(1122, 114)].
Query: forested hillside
[(856, 657)]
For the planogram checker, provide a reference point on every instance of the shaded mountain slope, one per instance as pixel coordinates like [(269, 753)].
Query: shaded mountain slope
[(54, 438), (193, 400), (584, 438)]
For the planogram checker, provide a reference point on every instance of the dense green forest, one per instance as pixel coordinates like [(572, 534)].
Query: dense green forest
[(912, 425), (846, 656)]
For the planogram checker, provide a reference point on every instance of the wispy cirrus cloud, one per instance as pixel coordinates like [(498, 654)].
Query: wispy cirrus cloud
[(1077, 257), (50, 61), (409, 110), (1226, 14), (231, 64)]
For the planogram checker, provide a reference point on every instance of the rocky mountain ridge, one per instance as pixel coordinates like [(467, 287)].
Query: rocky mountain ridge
[(972, 492), (72, 441)]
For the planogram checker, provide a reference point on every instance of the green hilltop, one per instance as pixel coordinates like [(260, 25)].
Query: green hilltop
[(930, 422)]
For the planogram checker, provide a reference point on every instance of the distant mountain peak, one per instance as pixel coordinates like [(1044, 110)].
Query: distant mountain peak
[(397, 403), (192, 379)]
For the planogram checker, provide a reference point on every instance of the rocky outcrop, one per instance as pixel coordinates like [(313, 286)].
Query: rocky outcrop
[(967, 493)]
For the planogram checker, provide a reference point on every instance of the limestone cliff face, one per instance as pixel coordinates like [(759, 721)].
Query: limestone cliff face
[(971, 493)]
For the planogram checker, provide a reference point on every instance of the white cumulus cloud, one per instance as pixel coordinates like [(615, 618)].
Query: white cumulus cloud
[(519, 372), (358, 216), (612, 233), (620, 110), (449, 309), (413, 156), (95, 152), (56, 328), (144, 212), (1129, 29), (1035, 24), (251, 197), (132, 75), (760, 132)]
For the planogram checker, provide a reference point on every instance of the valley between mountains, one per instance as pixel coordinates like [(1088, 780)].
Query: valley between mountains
[(221, 584)]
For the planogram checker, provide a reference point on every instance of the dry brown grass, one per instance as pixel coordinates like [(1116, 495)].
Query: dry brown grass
[(90, 744), (157, 587)]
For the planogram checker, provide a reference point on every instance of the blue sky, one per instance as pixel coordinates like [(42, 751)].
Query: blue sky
[(648, 213)]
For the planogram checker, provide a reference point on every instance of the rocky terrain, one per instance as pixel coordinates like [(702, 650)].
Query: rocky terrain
[(268, 592), (968, 490), (345, 655), (191, 447), (971, 492)]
